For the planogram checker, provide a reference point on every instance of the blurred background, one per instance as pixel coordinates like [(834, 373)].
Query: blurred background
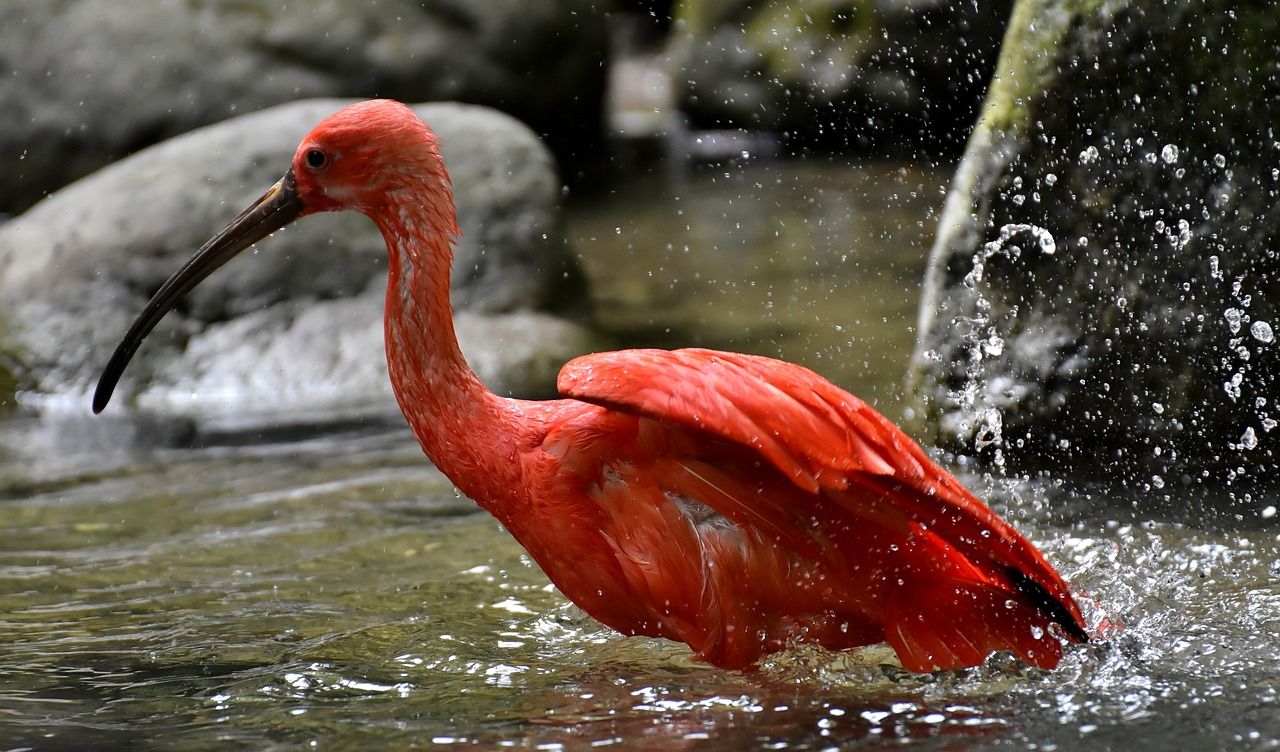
[(89, 82), (755, 176)]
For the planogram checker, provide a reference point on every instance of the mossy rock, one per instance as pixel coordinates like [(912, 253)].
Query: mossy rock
[(1102, 294)]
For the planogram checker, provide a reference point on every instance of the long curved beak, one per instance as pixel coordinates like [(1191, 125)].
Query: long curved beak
[(277, 208)]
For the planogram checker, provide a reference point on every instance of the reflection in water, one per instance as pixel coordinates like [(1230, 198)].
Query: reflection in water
[(336, 590)]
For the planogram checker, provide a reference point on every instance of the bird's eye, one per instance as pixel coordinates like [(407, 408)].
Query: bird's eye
[(315, 159)]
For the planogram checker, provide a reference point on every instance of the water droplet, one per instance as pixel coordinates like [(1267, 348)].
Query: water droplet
[(1261, 331), (1268, 512), (1184, 232), (1047, 244), (1249, 439), (1159, 408), (1232, 387), (1219, 160), (1233, 317), (1157, 481), (1169, 153)]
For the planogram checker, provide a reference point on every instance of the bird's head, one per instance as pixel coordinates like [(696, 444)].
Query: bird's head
[(365, 154), (370, 157)]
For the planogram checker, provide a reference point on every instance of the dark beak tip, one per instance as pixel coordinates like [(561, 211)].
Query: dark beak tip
[(102, 395), (275, 209)]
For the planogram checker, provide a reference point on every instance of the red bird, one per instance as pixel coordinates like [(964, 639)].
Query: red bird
[(732, 502)]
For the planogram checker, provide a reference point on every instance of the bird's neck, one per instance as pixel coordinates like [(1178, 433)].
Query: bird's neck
[(462, 426)]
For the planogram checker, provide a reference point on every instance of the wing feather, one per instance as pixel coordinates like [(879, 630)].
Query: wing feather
[(800, 422)]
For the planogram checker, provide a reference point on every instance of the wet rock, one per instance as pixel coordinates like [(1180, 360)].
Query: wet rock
[(1103, 289), (88, 82), (860, 74), (298, 321)]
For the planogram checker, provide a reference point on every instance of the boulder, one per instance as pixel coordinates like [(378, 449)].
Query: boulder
[(1103, 294), (296, 324), (88, 82)]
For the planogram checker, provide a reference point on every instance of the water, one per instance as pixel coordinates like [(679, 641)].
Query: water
[(332, 591)]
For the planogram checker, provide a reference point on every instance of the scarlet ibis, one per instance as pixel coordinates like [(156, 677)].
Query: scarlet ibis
[(732, 502)]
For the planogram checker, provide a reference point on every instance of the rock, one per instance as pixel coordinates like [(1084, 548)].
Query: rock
[(1103, 292), (90, 81), (296, 323), (863, 74)]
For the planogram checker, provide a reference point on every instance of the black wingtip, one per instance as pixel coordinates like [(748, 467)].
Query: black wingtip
[(1044, 600)]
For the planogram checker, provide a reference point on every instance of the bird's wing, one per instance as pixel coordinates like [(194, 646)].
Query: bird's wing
[(817, 434), (825, 440)]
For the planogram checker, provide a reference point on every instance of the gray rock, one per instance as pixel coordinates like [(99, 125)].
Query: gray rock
[(87, 82), (1104, 289), (297, 322)]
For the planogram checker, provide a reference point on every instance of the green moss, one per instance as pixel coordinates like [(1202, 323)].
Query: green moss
[(1030, 56)]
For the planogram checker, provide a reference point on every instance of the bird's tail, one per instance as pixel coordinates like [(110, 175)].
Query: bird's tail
[(947, 613)]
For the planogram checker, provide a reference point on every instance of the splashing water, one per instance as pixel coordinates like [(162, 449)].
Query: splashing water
[(976, 397), (1002, 245)]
